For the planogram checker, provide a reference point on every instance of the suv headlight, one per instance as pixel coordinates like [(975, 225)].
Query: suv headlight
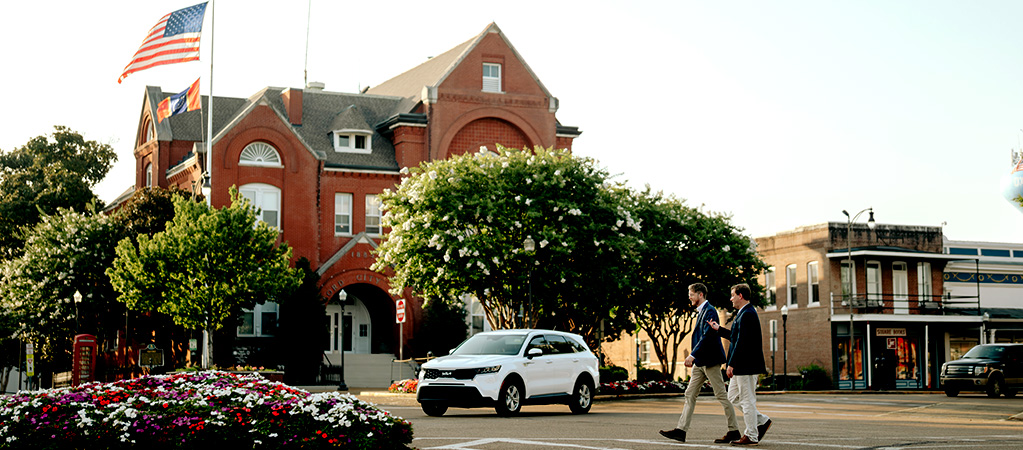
[(491, 369), (977, 370)]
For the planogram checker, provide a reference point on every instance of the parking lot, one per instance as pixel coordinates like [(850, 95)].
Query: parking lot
[(801, 421)]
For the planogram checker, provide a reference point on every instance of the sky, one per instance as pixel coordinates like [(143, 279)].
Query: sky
[(781, 114)]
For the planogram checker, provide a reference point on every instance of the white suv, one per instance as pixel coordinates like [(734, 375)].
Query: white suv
[(509, 368)]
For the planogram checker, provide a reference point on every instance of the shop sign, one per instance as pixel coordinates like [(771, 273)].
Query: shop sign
[(891, 331)]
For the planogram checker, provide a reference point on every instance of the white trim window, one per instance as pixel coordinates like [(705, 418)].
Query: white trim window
[(149, 175), (260, 321), (342, 214), (373, 215), (873, 283), (150, 131), (267, 200), (352, 141), (924, 288), (848, 275), (772, 288), (813, 282), (790, 279), (259, 154), (491, 77)]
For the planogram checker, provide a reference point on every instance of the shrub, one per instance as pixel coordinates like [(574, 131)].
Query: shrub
[(815, 378), (610, 374), (650, 375), (195, 410)]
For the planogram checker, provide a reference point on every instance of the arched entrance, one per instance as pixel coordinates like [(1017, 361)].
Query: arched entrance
[(367, 323)]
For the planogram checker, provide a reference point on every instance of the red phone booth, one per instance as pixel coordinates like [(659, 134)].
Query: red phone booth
[(84, 369)]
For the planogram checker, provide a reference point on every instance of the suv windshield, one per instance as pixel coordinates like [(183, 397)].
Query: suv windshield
[(491, 344), (985, 352)]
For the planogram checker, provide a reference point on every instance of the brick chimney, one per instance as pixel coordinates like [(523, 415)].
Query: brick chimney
[(293, 103)]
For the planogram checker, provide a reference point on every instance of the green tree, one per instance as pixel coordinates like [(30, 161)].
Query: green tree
[(458, 226), (47, 173), (63, 253), (301, 330), (682, 245), (207, 265), (443, 327)]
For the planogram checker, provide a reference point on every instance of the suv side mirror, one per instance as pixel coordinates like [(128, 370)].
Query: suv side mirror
[(534, 352)]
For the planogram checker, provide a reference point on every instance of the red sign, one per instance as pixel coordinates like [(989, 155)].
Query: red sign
[(399, 307)]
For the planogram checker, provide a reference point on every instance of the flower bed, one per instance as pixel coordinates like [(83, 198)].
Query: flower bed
[(650, 387), (195, 410), (406, 386)]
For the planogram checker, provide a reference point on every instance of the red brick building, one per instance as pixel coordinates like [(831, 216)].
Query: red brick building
[(315, 161)]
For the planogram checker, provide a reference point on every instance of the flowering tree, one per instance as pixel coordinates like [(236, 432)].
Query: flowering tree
[(682, 245), (458, 226), (47, 173), (205, 266), (63, 253)]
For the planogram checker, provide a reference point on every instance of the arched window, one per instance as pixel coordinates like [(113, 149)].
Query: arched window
[(259, 154), (149, 175), (267, 199), (150, 132)]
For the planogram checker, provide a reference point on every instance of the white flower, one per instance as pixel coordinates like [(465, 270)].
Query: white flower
[(575, 211), (518, 198), (496, 261), (556, 209), (558, 172), (726, 248), (543, 243), (528, 201), (433, 174), (404, 170), (562, 280)]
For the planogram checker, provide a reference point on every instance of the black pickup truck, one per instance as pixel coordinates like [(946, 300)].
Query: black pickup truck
[(996, 369)]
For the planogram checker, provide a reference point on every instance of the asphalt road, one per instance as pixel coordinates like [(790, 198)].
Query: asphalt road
[(801, 421)]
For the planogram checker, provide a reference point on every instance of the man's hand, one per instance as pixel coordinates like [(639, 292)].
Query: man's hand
[(729, 372), (713, 324), (689, 361)]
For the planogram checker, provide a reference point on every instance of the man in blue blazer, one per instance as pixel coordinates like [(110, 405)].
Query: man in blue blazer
[(745, 363), (705, 359)]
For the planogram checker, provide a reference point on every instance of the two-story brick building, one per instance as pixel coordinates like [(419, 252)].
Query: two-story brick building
[(315, 163), (868, 305)]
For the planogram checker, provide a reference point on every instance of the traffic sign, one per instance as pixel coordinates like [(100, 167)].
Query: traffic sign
[(399, 307)]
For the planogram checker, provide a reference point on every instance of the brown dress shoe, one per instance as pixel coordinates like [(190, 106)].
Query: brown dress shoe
[(745, 442), (762, 430), (675, 434), (732, 435)]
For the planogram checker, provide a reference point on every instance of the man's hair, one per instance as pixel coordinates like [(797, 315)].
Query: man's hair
[(698, 288), (743, 290)]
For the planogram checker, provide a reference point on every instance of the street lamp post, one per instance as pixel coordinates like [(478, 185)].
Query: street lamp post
[(852, 282), (529, 245), (78, 299), (785, 346), (343, 296)]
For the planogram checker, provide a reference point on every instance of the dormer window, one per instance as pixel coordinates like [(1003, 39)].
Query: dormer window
[(352, 141), (491, 77), (259, 154)]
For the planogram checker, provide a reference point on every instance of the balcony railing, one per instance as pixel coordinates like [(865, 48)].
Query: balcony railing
[(934, 305)]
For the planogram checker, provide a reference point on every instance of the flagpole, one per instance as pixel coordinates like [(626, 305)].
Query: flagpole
[(204, 177)]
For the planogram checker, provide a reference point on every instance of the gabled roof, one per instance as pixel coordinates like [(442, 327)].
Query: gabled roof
[(409, 85), (350, 119), (319, 111)]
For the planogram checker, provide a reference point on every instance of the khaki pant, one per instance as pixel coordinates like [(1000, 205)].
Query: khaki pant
[(742, 390), (700, 375)]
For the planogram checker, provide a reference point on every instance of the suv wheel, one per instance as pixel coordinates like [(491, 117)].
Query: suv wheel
[(951, 392), (582, 397), (435, 409), (995, 387), (510, 400)]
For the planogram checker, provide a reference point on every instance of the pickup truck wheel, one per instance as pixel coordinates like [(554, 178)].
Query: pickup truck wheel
[(949, 392), (995, 387)]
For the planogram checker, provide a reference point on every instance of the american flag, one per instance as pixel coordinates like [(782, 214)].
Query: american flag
[(174, 39)]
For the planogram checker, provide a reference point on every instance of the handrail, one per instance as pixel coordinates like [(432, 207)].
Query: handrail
[(887, 303)]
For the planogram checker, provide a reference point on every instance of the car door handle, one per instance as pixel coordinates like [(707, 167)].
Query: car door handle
[(550, 362)]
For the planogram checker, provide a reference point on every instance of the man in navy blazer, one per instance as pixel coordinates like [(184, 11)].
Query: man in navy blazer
[(745, 363), (705, 359)]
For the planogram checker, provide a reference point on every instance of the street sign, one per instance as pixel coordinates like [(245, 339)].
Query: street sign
[(399, 311), (150, 357), (30, 363)]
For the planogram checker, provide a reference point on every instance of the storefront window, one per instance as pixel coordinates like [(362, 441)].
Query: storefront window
[(843, 359), (906, 368)]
